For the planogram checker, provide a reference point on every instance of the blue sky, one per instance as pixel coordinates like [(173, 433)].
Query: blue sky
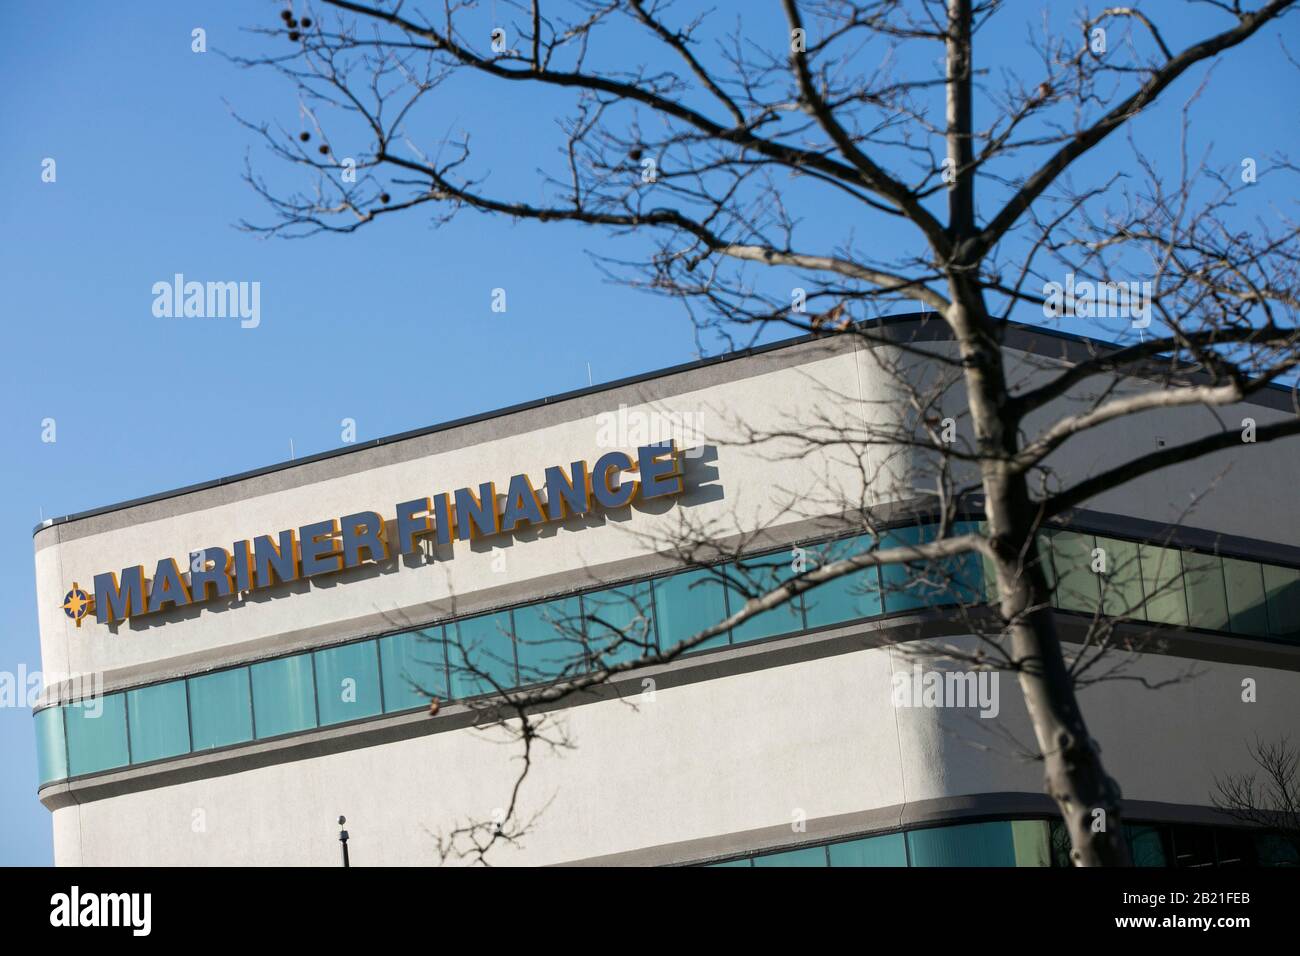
[(376, 327)]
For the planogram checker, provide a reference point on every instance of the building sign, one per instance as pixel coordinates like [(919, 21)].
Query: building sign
[(335, 544)]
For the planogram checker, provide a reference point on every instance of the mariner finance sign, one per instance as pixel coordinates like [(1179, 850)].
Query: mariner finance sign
[(616, 480)]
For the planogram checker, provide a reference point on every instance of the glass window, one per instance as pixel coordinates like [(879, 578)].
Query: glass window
[(887, 850), (1078, 587), (971, 844), (160, 721), (1235, 847), (413, 668), (347, 682), (688, 602), (1162, 583), (548, 640), (97, 734), (1147, 845), (754, 577), (1193, 846), (221, 709), (1246, 608), (1282, 594), (1121, 585), (1273, 849), (920, 584), (847, 598), (1031, 842), (805, 856), (619, 623), (905, 587), (284, 700), (743, 861), (481, 655), (51, 747), (1207, 601)]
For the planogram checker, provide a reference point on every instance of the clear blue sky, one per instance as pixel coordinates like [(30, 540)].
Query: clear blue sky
[(368, 327)]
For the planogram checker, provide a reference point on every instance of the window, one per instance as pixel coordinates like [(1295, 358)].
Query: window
[(921, 584), (1247, 612), (1162, 583), (1207, 601), (688, 602), (887, 850), (159, 720), (1147, 845), (804, 856), (284, 700), (480, 653), (96, 731), (51, 746), (1121, 585), (413, 669), (221, 709), (846, 598), (548, 640), (619, 623), (754, 577), (1282, 593), (1193, 846), (1078, 587), (971, 844), (347, 682)]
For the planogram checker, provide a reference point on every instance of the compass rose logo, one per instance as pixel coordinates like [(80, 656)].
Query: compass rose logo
[(77, 603)]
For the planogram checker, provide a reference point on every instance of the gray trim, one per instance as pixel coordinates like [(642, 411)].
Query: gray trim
[(721, 662), (882, 820)]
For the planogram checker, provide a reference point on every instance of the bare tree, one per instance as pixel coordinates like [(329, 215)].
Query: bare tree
[(708, 137), (1267, 799)]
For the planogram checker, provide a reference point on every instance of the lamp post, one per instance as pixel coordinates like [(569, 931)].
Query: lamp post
[(343, 839)]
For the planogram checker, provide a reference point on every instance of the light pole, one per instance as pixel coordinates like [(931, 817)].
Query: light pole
[(343, 839)]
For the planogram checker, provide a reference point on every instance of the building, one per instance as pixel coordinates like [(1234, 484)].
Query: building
[(232, 666)]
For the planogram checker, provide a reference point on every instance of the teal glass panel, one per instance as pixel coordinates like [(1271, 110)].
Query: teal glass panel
[(906, 587), (847, 598), (1207, 600), (1121, 585), (922, 584), (754, 577), (964, 573), (1162, 583), (1078, 586), (159, 720), (221, 709), (1246, 607), (1031, 842), (347, 682), (1276, 850), (971, 844), (51, 745), (96, 731), (887, 850), (746, 861), (548, 640), (284, 700), (413, 668), (1146, 845), (481, 655), (687, 603), (805, 856), (1282, 594), (619, 623)]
